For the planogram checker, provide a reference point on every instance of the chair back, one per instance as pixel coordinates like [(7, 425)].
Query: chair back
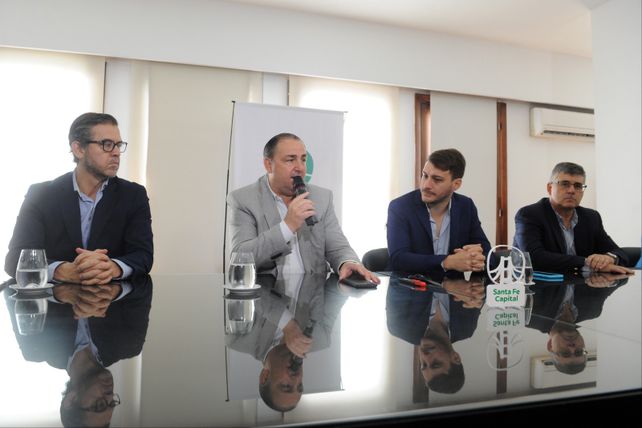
[(376, 260)]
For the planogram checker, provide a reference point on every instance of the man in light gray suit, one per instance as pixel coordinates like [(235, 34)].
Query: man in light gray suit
[(267, 218)]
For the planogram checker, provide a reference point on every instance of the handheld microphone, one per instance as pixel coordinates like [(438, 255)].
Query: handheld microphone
[(297, 362), (299, 189)]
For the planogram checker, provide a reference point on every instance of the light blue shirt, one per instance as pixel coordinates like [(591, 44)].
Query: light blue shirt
[(441, 241), (443, 301), (87, 210), (569, 297), (569, 234), (83, 340)]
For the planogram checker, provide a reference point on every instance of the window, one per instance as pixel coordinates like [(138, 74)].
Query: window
[(42, 93)]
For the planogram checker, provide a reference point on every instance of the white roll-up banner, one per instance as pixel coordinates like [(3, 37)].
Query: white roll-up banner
[(321, 131)]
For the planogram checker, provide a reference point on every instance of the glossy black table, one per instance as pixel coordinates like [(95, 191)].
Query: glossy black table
[(202, 357)]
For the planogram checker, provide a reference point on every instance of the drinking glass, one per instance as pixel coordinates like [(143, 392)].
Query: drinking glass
[(31, 315), (242, 272), (528, 269), (239, 316), (31, 271), (522, 266)]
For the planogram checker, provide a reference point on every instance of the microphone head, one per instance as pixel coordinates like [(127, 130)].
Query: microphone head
[(298, 183)]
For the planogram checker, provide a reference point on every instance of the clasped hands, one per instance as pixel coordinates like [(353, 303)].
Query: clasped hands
[(87, 301), (605, 263), (88, 268), (468, 258), (471, 293), (603, 279)]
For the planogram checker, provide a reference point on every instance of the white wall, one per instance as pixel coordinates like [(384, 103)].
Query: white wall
[(190, 111), (469, 124), (238, 36), (616, 64)]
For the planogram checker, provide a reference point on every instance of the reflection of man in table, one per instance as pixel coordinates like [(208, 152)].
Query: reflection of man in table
[(283, 311), (94, 226), (557, 310), (84, 335), (433, 321), (267, 218)]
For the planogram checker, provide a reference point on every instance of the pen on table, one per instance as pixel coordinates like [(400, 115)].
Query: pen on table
[(426, 280), (435, 283), (412, 287), (414, 282)]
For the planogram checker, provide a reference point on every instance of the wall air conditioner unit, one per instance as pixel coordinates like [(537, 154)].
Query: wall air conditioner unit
[(545, 375), (562, 124)]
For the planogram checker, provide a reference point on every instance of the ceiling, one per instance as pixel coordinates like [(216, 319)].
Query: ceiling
[(562, 26)]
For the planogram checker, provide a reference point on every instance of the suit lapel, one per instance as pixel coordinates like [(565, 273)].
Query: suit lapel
[(272, 217), (455, 216), (557, 231), (71, 211), (304, 239), (422, 214), (581, 235), (103, 212), (308, 299)]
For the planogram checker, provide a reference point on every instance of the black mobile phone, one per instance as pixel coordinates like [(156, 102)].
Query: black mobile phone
[(357, 280)]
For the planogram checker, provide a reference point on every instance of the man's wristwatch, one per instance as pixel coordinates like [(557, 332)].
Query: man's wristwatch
[(616, 259)]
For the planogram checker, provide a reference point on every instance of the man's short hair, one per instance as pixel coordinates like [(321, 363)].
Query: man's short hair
[(73, 416), (570, 368), (569, 168), (270, 146), (448, 383), (80, 129), (449, 160)]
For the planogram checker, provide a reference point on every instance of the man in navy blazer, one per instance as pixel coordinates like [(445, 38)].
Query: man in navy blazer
[(433, 227), (94, 226), (560, 235)]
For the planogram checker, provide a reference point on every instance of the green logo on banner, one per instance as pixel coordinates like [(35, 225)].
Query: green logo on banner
[(309, 167)]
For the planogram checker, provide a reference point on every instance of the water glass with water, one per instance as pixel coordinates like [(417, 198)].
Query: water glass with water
[(31, 315), (239, 316), (242, 272), (528, 269), (31, 271)]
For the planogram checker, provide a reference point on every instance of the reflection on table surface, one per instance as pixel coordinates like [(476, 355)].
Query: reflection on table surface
[(310, 349)]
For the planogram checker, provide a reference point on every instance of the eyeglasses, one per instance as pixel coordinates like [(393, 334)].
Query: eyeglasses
[(101, 405), (108, 145), (569, 354), (567, 184)]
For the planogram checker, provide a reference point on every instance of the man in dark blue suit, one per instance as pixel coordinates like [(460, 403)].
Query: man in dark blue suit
[(94, 226), (560, 235), (433, 227)]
